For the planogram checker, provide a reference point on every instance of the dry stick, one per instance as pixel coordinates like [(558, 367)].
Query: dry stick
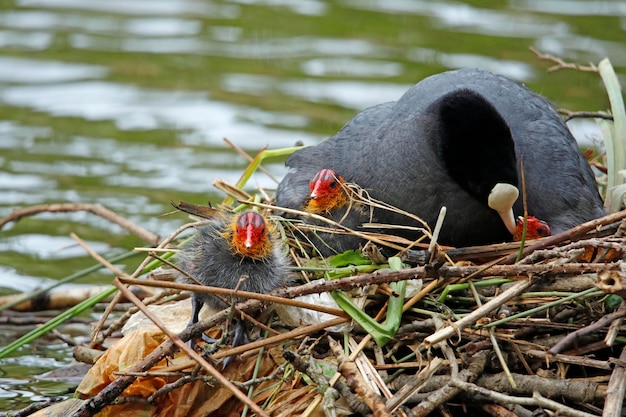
[(560, 64), (230, 190), (387, 276), (368, 337), (448, 391), (537, 399), (274, 340), (96, 209), (574, 360), (221, 379), (613, 332), (243, 153), (569, 115), (404, 393), (325, 220), (580, 390), (370, 374), (348, 369), (492, 335), (569, 234), (97, 336), (615, 390), (241, 294), (593, 327), (482, 311)]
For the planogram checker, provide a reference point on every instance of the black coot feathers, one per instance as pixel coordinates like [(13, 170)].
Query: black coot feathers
[(447, 141)]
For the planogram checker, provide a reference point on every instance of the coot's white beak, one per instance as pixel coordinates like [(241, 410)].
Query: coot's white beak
[(501, 199)]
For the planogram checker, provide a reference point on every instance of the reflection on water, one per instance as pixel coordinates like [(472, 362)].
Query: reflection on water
[(125, 103), (31, 71), (133, 108)]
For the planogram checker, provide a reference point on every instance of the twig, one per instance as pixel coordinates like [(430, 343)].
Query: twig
[(536, 400), (593, 327), (31, 409), (570, 234), (98, 337), (401, 396), (574, 360), (219, 377), (243, 153), (582, 390), (268, 298), (569, 115), (482, 311), (615, 391), (444, 394), (560, 64), (274, 340), (315, 373), (354, 380), (96, 209)]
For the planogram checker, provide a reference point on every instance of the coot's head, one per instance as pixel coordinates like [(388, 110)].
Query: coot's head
[(250, 235), (535, 228), (327, 192)]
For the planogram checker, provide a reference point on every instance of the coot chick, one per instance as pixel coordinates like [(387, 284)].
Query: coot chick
[(326, 192), (535, 228), (233, 251), (329, 197), (448, 141)]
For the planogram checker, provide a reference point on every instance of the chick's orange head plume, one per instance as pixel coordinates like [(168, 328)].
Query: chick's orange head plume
[(326, 192), (535, 228), (250, 237)]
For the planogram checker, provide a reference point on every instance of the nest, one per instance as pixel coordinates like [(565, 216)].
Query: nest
[(509, 328)]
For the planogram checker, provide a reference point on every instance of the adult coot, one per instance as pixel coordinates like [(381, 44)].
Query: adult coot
[(233, 251), (448, 141)]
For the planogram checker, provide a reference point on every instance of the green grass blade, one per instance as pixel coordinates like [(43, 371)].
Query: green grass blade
[(381, 333), (616, 141), (67, 279), (55, 322)]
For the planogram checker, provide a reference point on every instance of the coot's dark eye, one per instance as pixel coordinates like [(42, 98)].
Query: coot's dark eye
[(543, 232), (334, 184)]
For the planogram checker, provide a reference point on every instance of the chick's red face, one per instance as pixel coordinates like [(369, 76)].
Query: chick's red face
[(324, 183), (539, 227), (535, 228), (250, 238), (326, 191)]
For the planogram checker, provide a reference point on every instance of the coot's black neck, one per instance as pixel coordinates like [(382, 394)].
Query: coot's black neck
[(474, 142)]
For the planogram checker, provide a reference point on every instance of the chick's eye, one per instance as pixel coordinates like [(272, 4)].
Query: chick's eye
[(333, 184)]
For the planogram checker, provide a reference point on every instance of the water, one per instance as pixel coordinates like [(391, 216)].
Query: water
[(127, 103)]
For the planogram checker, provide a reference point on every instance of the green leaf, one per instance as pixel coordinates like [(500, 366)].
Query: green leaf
[(612, 302), (381, 333), (350, 257)]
